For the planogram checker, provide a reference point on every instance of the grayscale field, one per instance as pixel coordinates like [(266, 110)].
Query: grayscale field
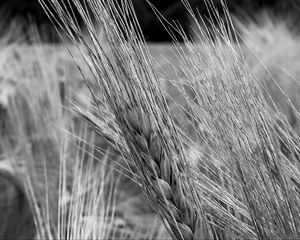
[(115, 130)]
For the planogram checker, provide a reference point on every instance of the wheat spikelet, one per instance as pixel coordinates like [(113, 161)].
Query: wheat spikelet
[(162, 175)]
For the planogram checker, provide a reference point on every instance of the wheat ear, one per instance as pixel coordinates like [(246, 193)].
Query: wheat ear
[(162, 174)]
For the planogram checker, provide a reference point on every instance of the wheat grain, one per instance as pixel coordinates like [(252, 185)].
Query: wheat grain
[(163, 176)]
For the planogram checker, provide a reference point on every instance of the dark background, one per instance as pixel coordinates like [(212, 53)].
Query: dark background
[(29, 11)]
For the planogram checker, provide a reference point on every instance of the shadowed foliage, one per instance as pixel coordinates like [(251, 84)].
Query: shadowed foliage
[(16, 216)]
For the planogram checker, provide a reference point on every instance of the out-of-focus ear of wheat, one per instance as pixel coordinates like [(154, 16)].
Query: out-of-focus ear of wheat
[(272, 53), (86, 201)]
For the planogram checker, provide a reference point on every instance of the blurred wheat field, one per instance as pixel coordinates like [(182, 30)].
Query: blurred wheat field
[(191, 141)]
